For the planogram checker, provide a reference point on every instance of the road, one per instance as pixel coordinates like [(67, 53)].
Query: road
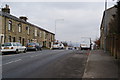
[(44, 64)]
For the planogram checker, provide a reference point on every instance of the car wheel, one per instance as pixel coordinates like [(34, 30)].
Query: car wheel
[(16, 51), (40, 49), (25, 51), (36, 49), (3, 53)]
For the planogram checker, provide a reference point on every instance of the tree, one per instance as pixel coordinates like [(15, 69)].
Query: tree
[(65, 44), (97, 42)]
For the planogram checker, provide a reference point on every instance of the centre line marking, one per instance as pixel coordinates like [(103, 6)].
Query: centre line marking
[(12, 61), (34, 56)]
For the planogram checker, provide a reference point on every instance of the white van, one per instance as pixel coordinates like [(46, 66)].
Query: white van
[(85, 44)]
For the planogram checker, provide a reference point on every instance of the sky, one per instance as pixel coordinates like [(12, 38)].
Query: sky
[(73, 20)]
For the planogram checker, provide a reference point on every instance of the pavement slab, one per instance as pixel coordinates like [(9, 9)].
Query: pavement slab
[(101, 65)]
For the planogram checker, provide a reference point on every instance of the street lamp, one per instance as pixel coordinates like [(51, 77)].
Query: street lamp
[(56, 24)]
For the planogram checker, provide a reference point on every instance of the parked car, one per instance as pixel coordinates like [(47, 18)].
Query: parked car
[(58, 46), (13, 47), (34, 46)]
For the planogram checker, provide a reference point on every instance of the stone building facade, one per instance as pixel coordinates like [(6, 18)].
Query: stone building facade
[(13, 29), (104, 28), (110, 37)]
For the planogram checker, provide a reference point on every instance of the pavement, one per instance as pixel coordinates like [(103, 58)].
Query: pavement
[(101, 65)]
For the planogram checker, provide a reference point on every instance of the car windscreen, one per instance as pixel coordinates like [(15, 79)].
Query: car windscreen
[(7, 44), (31, 44), (55, 45)]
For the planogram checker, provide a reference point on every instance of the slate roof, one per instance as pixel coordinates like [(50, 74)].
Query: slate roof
[(4, 14)]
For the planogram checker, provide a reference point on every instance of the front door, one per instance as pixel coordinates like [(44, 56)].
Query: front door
[(23, 42)]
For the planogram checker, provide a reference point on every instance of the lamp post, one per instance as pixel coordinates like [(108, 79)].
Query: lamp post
[(56, 25)]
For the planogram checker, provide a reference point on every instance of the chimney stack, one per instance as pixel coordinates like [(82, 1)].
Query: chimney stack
[(6, 9), (23, 18)]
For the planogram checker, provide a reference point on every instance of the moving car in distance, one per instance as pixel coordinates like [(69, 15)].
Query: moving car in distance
[(34, 46), (13, 47), (69, 48), (85, 44), (57, 46)]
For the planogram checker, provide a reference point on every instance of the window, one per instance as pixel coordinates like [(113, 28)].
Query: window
[(13, 39), (1, 39), (28, 30), (18, 44), (35, 32), (46, 36), (9, 38), (19, 28), (40, 34), (14, 44), (9, 25), (7, 44)]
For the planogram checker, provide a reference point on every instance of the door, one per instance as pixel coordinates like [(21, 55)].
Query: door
[(23, 42)]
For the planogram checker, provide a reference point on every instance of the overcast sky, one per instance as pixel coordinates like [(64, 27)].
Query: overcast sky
[(81, 19)]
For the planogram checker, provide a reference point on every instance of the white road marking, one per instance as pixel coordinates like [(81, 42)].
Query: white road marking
[(34, 56), (16, 54), (8, 55), (85, 71), (12, 62)]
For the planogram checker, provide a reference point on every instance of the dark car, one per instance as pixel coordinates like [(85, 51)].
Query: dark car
[(34, 46)]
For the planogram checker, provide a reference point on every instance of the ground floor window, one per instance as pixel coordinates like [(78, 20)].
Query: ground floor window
[(9, 38), (23, 42), (14, 39), (44, 43), (49, 44), (1, 39)]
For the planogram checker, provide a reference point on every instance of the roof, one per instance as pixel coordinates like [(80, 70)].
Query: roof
[(20, 20), (110, 11)]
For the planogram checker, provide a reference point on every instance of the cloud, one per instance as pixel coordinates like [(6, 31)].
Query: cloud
[(54, 0), (81, 19)]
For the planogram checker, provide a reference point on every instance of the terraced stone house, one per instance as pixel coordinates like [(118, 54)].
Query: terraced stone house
[(13, 29)]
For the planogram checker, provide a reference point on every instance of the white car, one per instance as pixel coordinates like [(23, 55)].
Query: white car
[(58, 46), (13, 47)]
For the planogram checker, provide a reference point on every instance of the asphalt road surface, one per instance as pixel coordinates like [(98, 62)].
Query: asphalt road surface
[(44, 64)]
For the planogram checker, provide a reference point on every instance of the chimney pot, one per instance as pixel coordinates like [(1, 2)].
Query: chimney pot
[(23, 18), (6, 9)]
